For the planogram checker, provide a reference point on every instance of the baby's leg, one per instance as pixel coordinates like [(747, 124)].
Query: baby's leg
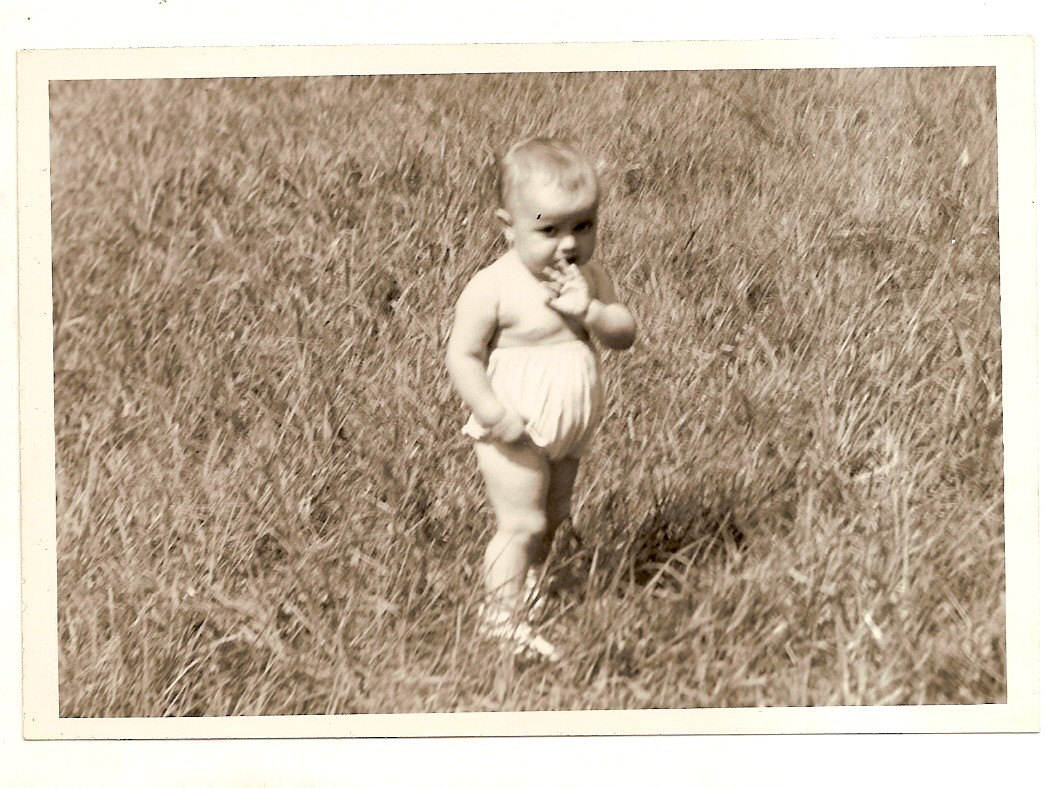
[(562, 474), (517, 480)]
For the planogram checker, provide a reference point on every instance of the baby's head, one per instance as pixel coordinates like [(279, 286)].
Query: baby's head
[(549, 203)]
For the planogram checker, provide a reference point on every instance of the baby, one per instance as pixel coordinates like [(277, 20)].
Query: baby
[(522, 357)]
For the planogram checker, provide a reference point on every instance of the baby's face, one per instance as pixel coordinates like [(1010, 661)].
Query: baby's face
[(546, 224)]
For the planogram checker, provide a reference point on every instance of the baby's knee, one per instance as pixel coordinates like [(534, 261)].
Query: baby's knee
[(524, 525)]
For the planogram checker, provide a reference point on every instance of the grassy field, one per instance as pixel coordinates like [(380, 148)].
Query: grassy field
[(265, 505)]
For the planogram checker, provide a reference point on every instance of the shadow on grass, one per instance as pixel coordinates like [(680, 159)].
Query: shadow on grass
[(681, 531)]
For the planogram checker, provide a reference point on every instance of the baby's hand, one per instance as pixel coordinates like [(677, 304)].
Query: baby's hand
[(510, 428), (571, 296)]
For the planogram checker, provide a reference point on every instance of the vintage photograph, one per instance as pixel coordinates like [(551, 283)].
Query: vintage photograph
[(527, 391)]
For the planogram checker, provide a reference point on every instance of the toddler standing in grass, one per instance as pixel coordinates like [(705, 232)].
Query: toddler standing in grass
[(521, 355)]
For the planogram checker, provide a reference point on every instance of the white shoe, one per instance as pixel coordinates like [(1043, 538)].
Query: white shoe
[(501, 625)]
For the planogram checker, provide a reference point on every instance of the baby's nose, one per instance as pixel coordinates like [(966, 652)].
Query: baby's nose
[(568, 241)]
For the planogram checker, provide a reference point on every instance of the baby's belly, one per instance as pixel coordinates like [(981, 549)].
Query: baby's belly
[(540, 335)]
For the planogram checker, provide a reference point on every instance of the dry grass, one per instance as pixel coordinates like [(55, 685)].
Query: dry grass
[(265, 506)]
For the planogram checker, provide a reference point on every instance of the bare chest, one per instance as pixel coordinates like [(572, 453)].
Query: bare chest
[(524, 318)]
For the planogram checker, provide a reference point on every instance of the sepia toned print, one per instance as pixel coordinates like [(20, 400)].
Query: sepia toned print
[(265, 504)]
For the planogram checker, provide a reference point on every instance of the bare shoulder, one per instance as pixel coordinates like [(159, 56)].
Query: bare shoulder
[(482, 289), (475, 314)]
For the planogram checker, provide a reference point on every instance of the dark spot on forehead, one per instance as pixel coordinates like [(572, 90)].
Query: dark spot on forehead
[(539, 215)]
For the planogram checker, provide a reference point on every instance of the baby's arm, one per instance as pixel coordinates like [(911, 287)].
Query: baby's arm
[(475, 320), (607, 318)]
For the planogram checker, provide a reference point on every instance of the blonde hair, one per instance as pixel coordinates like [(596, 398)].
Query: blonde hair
[(545, 159)]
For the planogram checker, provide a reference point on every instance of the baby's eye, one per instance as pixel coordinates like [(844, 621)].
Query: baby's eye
[(584, 227), (548, 231)]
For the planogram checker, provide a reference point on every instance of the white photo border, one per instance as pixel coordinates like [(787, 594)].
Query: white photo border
[(1013, 61)]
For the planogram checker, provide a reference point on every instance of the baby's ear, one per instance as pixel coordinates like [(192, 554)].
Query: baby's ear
[(506, 223)]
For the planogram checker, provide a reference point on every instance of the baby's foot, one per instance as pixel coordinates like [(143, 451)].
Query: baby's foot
[(500, 624)]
